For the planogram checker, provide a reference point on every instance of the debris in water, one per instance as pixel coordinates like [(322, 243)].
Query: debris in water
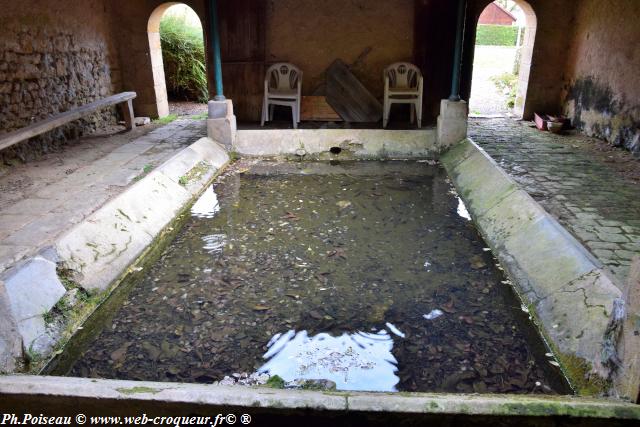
[(395, 330), (343, 204), (433, 314), (477, 262)]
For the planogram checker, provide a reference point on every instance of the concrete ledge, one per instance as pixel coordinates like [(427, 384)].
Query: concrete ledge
[(562, 284), (98, 250), (354, 143), (106, 397)]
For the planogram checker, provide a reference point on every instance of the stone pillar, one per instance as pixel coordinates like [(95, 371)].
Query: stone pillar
[(221, 124), (452, 123)]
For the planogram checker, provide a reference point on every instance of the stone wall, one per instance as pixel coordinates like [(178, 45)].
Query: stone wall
[(602, 91), (54, 56)]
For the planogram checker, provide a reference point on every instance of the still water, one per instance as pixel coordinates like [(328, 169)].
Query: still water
[(369, 274)]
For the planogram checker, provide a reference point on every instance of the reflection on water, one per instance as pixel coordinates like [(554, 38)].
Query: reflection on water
[(373, 267), (214, 243), (462, 210), (207, 205), (354, 361)]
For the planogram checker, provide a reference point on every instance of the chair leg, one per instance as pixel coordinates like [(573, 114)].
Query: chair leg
[(264, 111), (419, 113), (385, 113), (294, 116)]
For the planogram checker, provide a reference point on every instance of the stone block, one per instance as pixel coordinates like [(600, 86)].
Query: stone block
[(358, 143), (576, 315), (210, 150), (458, 153), (221, 123), (481, 182), (222, 130), (452, 123), (220, 109), (100, 248), (33, 288), (10, 340), (180, 164)]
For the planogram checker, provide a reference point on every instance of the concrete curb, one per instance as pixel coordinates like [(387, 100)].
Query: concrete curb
[(101, 247), (116, 396), (99, 250), (560, 282), (354, 143)]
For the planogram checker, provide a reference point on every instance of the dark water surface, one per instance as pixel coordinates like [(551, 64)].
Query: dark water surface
[(364, 273)]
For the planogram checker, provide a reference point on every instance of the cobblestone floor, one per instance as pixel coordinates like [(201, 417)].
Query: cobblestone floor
[(590, 192)]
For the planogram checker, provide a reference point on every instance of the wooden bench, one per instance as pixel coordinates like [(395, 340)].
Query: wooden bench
[(35, 129)]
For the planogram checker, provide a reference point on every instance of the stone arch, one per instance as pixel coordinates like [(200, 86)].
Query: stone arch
[(155, 52), (529, 38), (526, 53)]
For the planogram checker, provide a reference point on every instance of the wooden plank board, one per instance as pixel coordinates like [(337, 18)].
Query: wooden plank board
[(316, 108), (53, 122), (349, 98), (242, 38)]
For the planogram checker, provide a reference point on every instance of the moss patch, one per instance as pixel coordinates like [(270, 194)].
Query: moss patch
[(166, 119), (135, 390), (275, 382), (195, 174)]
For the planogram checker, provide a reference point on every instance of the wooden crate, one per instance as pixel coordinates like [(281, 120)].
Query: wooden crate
[(316, 108)]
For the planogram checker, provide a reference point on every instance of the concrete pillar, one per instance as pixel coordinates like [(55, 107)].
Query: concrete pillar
[(221, 124), (452, 123)]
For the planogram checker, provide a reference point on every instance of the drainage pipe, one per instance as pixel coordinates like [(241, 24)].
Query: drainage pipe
[(457, 53), (215, 47)]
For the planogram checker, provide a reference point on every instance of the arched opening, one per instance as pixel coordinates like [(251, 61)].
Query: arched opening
[(505, 36), (178, 75)]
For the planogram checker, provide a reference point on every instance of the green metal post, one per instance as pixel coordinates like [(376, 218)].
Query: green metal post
[(457, 54), (215, 47)]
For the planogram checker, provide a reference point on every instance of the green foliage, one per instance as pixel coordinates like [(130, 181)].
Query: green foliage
[(508, 84), (184, 59), (166, 119), (275, 382), (496, 35)]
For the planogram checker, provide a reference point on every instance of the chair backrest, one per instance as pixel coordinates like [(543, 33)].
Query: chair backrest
[(283, 77), (402, 75)]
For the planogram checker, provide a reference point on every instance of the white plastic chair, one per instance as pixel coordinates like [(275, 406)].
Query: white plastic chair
[(282, 86), (402, 85)]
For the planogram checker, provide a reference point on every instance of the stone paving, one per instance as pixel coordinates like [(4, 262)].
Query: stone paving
[(582, 187), (41, 200)]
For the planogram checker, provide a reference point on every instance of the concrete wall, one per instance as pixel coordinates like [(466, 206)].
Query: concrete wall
[(602, 92), (54, 56), (367, 34)]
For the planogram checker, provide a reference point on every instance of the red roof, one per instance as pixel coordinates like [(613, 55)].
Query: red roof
[(494, 14)]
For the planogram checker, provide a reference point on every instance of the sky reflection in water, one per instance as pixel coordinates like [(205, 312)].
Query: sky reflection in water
[(354, 361)]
